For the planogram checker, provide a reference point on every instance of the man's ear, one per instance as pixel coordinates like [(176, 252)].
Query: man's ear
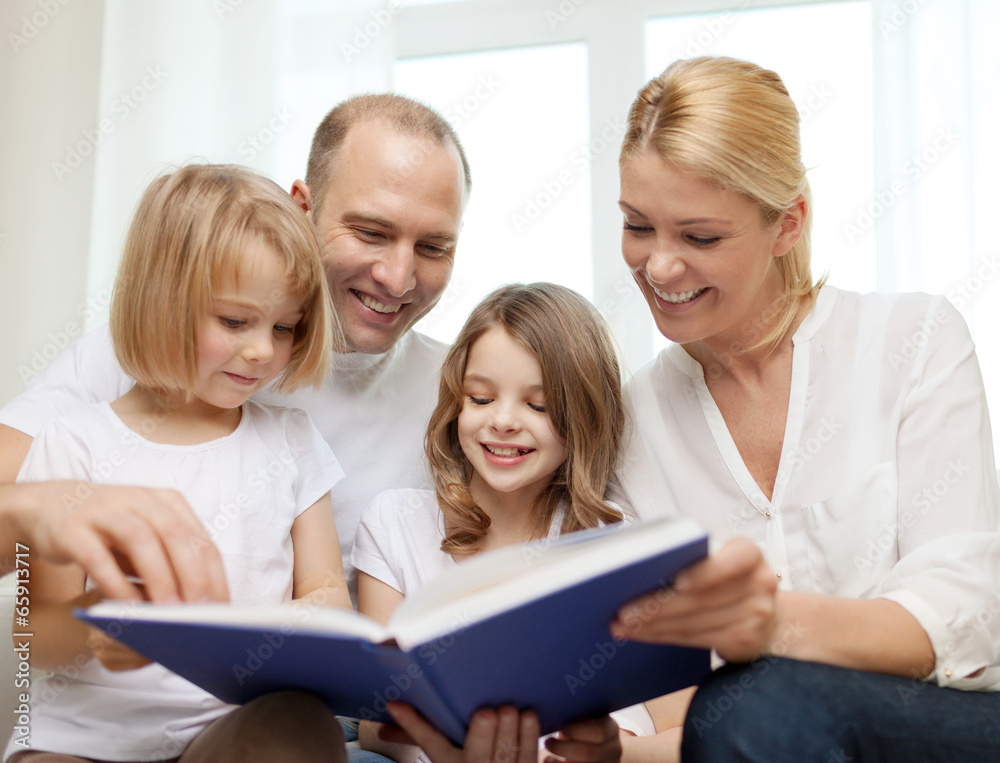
[(792, 224), (302, 196)]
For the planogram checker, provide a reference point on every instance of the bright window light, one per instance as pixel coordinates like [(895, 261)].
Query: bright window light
[(522, 117)]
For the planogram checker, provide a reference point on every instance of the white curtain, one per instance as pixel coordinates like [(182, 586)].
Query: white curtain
[(98, 97)]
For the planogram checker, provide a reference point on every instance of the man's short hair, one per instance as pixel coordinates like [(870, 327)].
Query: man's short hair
[(403, 114)]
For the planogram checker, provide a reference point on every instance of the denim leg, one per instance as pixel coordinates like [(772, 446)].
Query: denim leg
[(354, 752), (775, 709)]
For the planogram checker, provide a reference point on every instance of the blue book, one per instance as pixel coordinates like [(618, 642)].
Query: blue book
[(524, 625)]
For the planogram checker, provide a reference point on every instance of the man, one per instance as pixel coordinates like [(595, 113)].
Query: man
[(386, 186)]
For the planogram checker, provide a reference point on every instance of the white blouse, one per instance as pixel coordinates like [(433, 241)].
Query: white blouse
[(886, 485)]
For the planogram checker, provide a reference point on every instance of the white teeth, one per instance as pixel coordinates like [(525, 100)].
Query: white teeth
[(379, 307), (505, 452), (677, 297)]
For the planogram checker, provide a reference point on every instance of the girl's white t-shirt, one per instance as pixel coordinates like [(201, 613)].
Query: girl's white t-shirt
[(247, 489)]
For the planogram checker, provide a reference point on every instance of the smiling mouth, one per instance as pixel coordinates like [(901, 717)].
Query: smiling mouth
[(679, 297), (374, 304), (507, 452)]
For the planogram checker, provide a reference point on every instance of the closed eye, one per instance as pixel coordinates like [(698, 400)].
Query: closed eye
[(435, 252), (370, 235), (703, 241), (540, 407), (479, 400), (636, 229)]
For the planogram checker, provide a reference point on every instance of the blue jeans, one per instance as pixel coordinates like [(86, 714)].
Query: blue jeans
[(354, 752), (776, 709)]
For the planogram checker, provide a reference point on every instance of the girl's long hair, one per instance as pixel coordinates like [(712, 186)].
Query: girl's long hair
[(581, 378)]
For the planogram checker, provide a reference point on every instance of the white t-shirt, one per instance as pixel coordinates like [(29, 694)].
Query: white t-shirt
[(886, 485), (399, 542), (372, 410), (247, 488)]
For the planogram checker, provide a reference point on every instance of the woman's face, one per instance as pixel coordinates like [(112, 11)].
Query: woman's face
[(700, 253)]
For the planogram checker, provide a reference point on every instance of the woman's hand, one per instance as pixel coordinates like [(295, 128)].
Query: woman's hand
[(726, 602)]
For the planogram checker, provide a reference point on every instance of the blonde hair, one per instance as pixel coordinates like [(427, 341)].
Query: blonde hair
[(188, 233), (733, 123), (402, 114), (581, 380)]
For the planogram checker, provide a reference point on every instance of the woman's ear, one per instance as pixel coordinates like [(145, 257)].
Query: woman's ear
[(792, 226)]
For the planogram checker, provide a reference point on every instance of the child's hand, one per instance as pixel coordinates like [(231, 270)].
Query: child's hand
[(590, 741), (114, 655)]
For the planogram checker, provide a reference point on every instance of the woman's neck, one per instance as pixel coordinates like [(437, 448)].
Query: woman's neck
[(735, 356), (172, 420)]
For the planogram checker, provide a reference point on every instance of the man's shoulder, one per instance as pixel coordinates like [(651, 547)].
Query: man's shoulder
[(417, 348)]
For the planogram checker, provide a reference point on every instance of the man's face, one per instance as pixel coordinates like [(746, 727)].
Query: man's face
[(388, 228)]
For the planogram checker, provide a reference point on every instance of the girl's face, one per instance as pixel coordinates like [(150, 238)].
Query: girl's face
[(700, 253), (245, 338), (503, 427)]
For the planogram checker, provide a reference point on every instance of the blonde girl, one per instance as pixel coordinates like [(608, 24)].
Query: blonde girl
[(220, 292)]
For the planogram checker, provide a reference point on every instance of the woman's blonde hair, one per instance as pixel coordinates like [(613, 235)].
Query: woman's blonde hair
[(189, 232), (581, 380), (733, 123)]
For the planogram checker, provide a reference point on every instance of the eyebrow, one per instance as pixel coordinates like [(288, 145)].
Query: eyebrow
[(381, 222), (248, 305), (487, 380), (691, 221)]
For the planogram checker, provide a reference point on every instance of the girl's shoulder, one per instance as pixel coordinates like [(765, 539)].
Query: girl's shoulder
[(403, 505)]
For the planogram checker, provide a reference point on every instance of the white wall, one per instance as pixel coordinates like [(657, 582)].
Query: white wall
[(49, 79)]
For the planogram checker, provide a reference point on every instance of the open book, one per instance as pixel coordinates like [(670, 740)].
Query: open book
[(525, 625)]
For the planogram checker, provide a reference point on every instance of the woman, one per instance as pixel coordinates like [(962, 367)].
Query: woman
[(844, 439)]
